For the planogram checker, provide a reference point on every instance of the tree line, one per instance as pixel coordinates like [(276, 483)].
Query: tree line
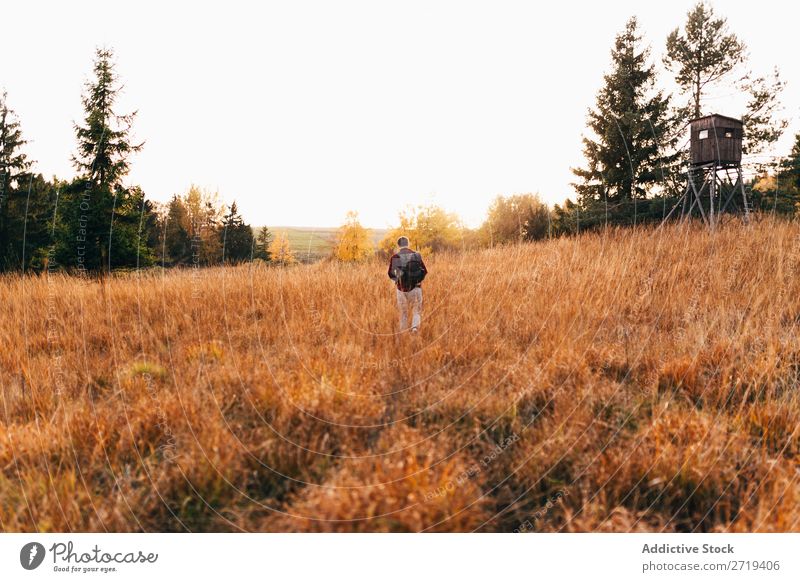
[(634, 172), (95, 222), (635, 159)]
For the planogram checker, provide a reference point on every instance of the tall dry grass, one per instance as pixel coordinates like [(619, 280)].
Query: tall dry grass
[(625, 381)]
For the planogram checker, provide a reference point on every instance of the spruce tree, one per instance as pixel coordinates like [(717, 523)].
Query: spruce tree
[(208, 229), (35, 210), (104, 143), (262, 244), (633, 148), (13, 161), (177, 233), (538, 222), (237, 237), (14, 166), (103, 215)]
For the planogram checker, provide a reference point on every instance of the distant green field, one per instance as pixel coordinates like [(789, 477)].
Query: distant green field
[(313, 243)]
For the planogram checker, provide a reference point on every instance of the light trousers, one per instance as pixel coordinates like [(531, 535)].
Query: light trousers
[(410, 300)]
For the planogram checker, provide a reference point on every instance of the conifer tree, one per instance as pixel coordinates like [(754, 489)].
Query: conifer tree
[(634, 128), (13, 169), (237, 237), (262, 244), (103, 214), (13, 161), (177, 233), (705, 54)]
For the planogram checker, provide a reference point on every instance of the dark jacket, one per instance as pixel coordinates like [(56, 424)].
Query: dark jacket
[(392, 262)]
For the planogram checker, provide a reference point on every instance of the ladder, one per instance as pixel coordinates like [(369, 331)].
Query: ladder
[(747, 204)]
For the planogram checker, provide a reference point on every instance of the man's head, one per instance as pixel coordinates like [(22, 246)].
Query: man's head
[(402, 242)]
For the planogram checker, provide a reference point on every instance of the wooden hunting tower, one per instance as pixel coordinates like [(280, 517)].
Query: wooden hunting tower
[(715, 170), (716, 139)]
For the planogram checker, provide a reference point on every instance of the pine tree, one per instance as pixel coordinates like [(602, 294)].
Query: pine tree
[(262, 245), (104, 145), (132, 234), (538, 221), (177, 233), (102, 213), (151, 227), (635, 132), (762, 122), (13, 161), (208, 232), (566, 220), (353, 241), (13, 170), (705, 54), (237, 237), (32, 221)]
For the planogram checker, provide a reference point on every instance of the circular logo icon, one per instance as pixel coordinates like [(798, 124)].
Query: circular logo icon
[(31, 555)]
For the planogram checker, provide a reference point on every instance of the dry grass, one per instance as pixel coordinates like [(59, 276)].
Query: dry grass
[(632, 381)]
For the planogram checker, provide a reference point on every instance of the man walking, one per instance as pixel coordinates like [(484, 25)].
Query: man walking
[(407, 270)]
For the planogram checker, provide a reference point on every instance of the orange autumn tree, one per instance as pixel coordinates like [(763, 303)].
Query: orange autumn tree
[(353, 242), (280, 250), (429, 228)]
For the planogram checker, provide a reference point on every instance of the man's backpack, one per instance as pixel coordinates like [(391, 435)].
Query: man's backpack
[(407, 269)]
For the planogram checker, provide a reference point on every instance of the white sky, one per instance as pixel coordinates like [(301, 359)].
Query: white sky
[(303, 110)]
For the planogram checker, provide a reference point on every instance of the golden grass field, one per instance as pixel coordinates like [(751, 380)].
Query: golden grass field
[(627, 381)]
